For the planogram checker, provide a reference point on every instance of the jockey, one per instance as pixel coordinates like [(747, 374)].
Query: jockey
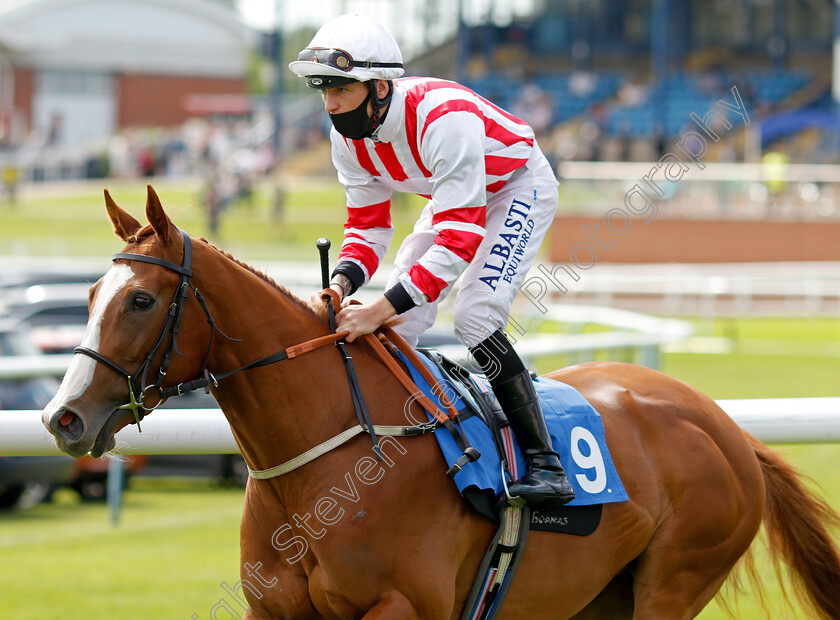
[(491, 198)]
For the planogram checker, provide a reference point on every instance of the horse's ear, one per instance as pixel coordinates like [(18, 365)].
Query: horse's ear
[(157, 217), (125, 226)]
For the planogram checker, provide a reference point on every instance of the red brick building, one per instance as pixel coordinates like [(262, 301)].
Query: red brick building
[(77, 71)]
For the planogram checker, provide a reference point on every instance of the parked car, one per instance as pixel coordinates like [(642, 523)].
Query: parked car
[(31, 393), (27, 478), (55, 314), (32, 479)]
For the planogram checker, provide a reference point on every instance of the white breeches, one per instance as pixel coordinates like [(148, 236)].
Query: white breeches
[(518, 218)]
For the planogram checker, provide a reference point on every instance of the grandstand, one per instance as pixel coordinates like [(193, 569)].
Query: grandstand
[(637, 70), (613, 80)]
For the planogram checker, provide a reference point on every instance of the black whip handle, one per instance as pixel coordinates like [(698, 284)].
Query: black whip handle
[(324, 249)]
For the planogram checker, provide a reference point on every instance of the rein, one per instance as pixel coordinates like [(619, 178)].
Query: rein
[(137, 386), (365, 426)]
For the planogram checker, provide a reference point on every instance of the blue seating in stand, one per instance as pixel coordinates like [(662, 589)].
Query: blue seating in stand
[(668, 106)]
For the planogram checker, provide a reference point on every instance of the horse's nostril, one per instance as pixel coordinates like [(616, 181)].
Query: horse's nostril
[(68, 425)]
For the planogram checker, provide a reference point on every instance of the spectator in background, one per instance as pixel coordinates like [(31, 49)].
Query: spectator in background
[(535, 107), (10, 182), (632, 93), (582, 84)]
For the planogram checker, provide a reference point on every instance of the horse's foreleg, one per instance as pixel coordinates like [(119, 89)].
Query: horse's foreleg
[(274, 585), (392, 606)]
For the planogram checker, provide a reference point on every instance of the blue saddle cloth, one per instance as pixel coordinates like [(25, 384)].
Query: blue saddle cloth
[(576, 429)]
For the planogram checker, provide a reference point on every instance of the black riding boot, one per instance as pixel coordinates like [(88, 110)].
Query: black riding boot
[(546, 481)]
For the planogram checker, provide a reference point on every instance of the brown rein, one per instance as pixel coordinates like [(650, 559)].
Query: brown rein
[(390, 362), (395, 367), (398, 371)]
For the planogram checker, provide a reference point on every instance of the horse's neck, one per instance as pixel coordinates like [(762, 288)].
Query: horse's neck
[(278, 411)]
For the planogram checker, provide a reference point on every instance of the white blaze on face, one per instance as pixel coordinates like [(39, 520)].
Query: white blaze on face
[(80, 373)]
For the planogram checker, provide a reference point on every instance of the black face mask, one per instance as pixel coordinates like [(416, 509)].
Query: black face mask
[(355, 124)]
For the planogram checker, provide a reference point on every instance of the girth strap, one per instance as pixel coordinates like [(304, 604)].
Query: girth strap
[(495, 574)]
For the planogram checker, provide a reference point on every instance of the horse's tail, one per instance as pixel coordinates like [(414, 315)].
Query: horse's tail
[(798, 527)]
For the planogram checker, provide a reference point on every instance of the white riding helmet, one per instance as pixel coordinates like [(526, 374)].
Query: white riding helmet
[(349, 47)]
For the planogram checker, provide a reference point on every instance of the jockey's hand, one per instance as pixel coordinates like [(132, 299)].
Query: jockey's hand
[(360, 320)]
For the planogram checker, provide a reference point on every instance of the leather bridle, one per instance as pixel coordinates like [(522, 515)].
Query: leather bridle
[(137, 381)]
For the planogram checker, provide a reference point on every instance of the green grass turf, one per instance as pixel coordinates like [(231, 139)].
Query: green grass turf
[(71, 220), (173, 547), (768, 358)]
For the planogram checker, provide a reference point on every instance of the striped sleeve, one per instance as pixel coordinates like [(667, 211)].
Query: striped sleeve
[(452, 146), (368, 230)]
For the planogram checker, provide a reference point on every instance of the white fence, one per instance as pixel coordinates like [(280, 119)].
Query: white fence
[(741, 190), (711, 172), (206, 431), (708, 289), (167, 431), (640, 335), (801, 420), (720, 289)]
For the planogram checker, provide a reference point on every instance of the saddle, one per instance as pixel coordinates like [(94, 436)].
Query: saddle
[(484, 486)]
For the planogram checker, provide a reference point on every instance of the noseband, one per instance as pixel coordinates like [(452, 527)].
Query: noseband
[(137, 382)]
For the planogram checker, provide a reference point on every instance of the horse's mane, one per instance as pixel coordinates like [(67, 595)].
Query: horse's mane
[(265, 278), (147, 231)]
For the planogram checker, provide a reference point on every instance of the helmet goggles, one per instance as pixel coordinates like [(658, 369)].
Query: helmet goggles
[(339, 59)]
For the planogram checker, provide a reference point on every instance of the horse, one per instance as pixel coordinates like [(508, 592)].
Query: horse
[(358, 534)]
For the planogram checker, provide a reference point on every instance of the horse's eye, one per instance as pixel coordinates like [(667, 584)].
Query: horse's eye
[(141, 302)]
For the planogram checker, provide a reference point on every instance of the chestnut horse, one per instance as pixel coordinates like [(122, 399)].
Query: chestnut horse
[(350, 536)]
